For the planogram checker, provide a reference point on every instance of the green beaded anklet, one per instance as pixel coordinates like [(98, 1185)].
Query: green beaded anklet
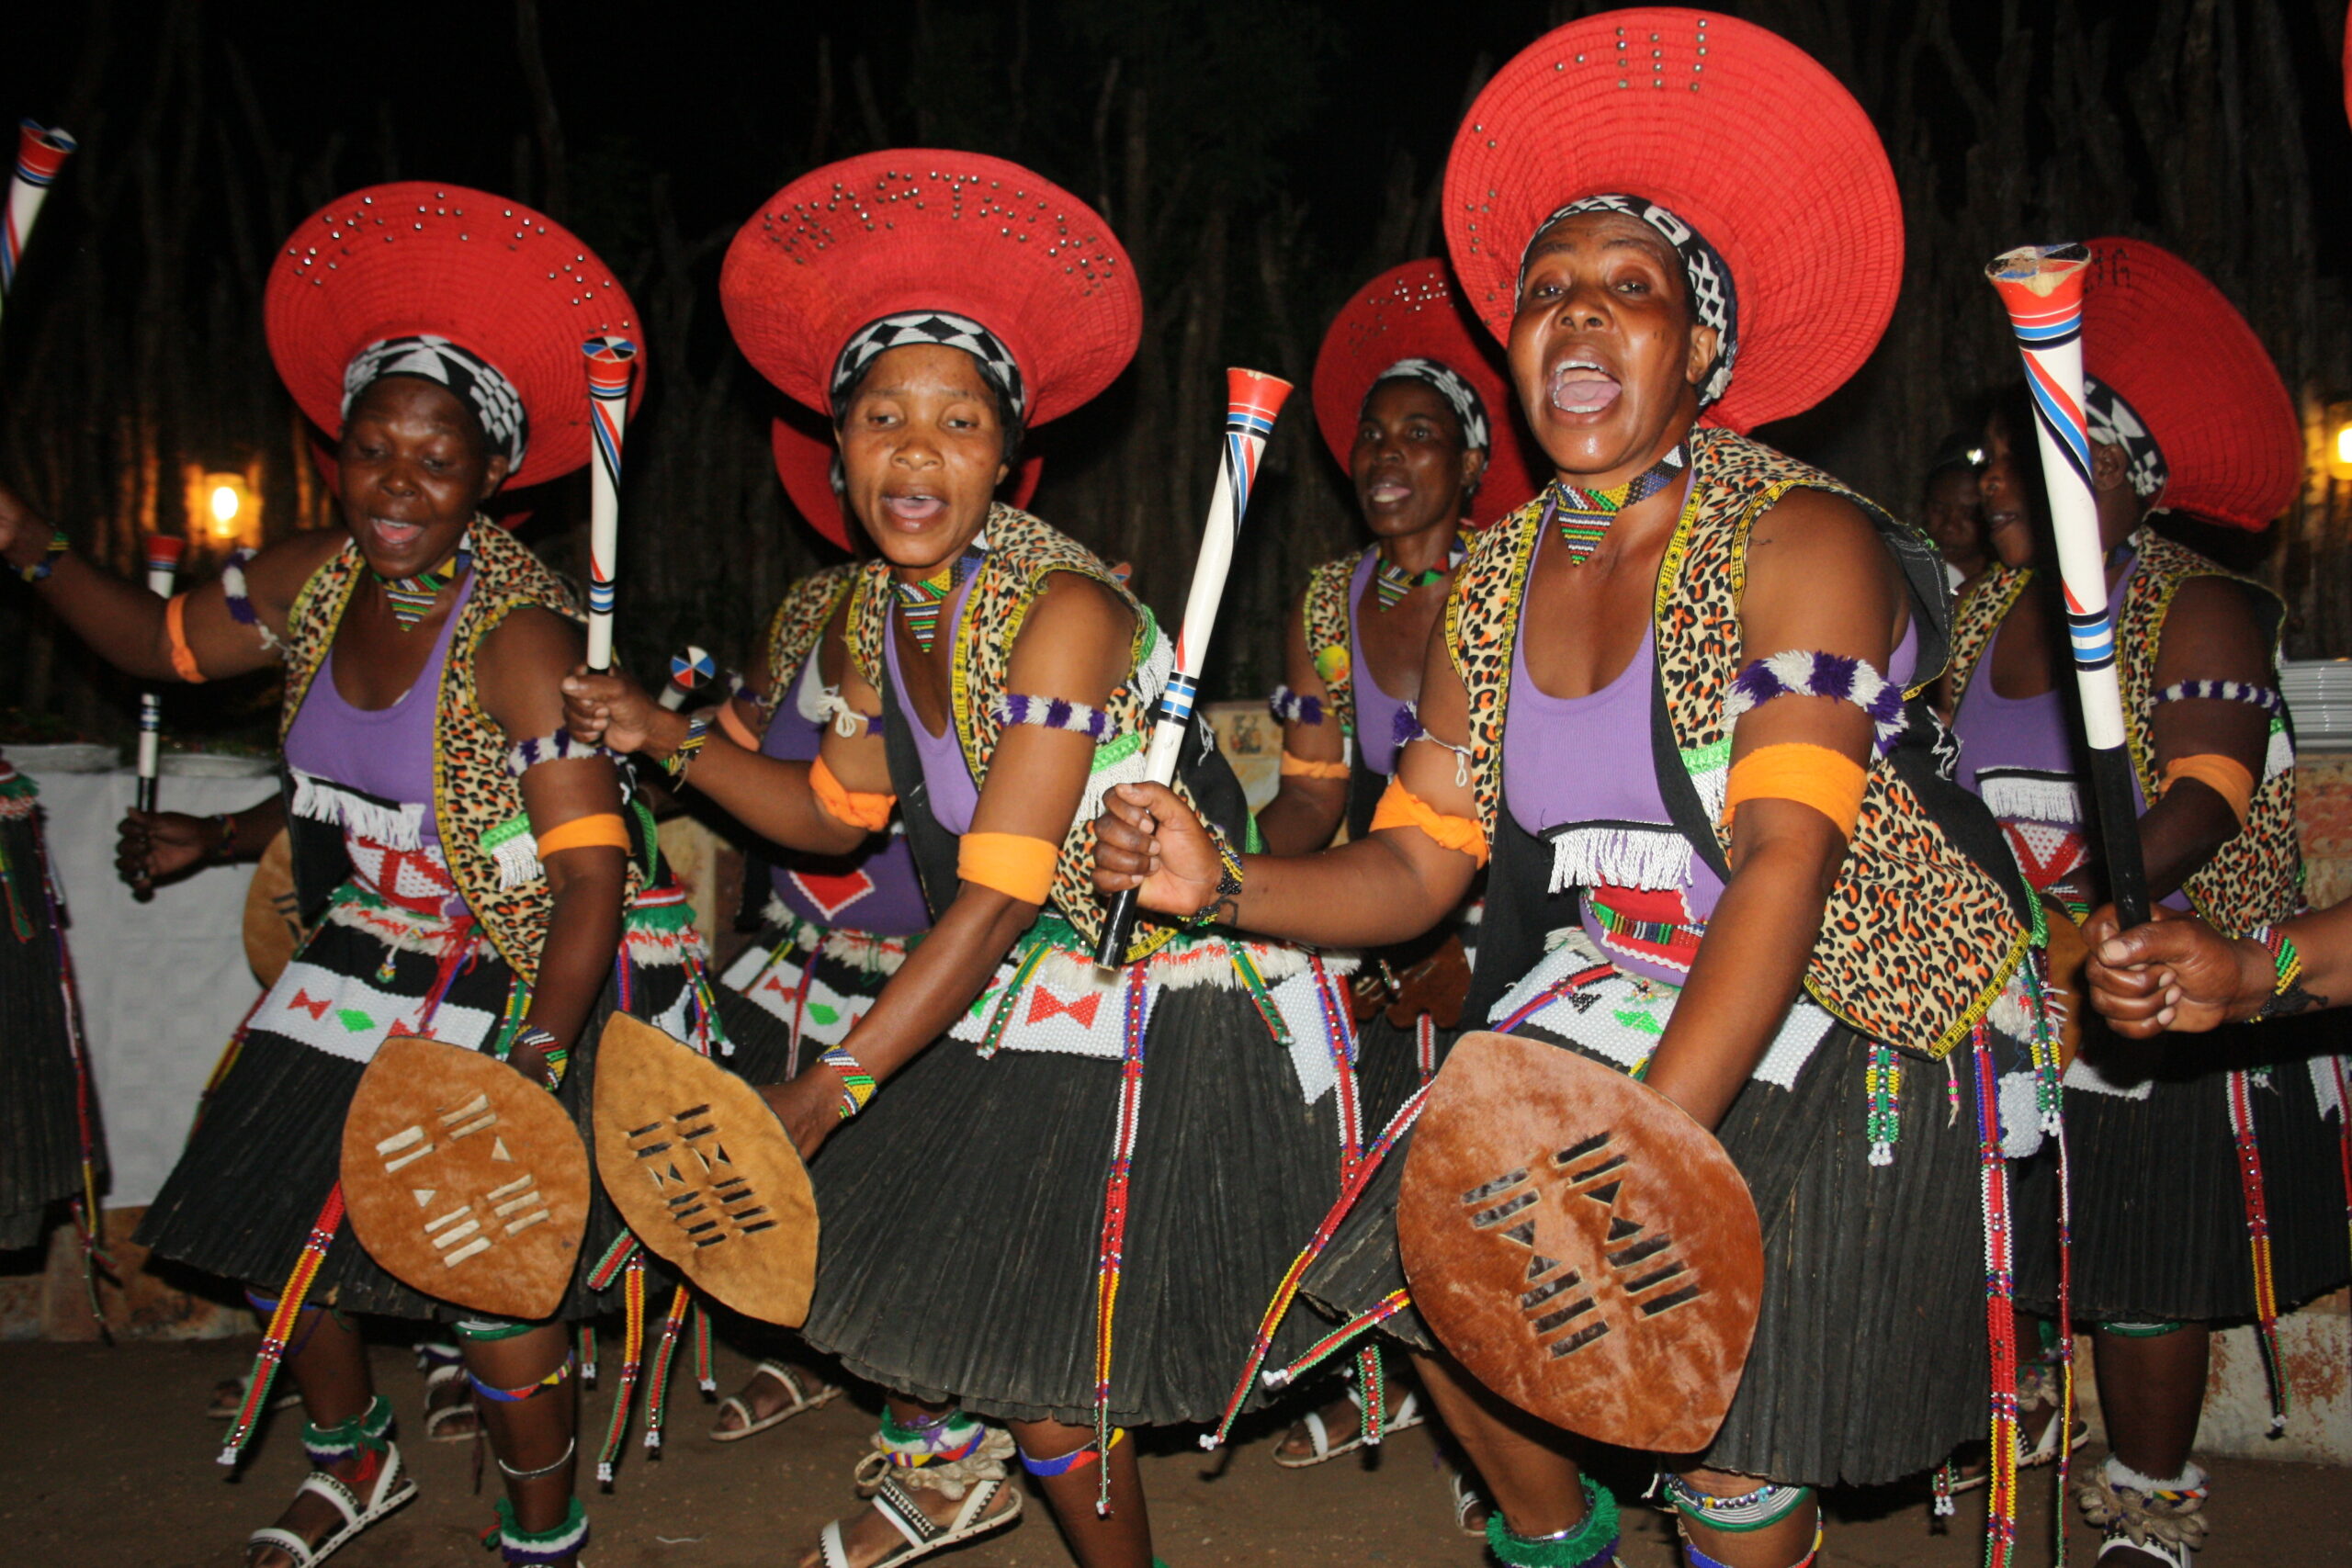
[(1593, 1542)]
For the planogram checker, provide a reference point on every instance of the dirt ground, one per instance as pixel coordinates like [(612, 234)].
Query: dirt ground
[(107, 1458)]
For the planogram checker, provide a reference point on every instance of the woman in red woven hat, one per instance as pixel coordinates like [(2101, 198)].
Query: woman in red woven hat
[(1054, 1196), (1679, 688), (1411, 400), (468, 866), (2199, 1193), (833, 928)]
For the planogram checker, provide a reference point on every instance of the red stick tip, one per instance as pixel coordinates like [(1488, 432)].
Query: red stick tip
[(1255, 391), (164, 550)]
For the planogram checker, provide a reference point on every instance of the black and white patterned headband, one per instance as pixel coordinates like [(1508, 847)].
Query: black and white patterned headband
[(2115, 422), (927, 326), (1459, 394), (1714, 299), (475, 380)]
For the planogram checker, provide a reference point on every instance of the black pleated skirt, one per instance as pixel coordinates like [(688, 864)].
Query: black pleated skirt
[(962, 1219), (40, 1136), (1869, 1361), (268, 1146), (1389, 1065), (2159, 1215)]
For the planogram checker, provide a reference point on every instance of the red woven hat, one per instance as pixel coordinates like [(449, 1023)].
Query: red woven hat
[(1739, 132), (1417, 311), (804, 461), (917, 228), (499, 280), (2157, 332)]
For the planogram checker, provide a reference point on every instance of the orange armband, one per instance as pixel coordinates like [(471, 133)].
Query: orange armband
[(838, 801), (1831, 782), (1302, 767), (731, 722), (184, 663), (1012, 863), (603, 831), (1400, 808), (2226, 776)]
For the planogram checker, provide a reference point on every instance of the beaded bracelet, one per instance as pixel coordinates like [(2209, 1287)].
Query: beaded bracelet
[(697, 731), (2286, 994), (857, 1084), (57, 545), (1228, 882), (228, 841), (555, 1055)]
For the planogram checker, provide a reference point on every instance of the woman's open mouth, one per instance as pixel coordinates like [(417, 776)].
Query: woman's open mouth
[(1582, 387)]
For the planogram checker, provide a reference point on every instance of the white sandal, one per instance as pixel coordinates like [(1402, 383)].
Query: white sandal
[(438, 1375), (392, 1488), (755, 1424), (1407, 1412), (924, 1534), (1467, 1496)]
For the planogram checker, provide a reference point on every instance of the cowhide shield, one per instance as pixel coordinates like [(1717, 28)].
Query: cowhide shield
[(273, 921), (1584, 1247), (704, 1173), (464, 1178)]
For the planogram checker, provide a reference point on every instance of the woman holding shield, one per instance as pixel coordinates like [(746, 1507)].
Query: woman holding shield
[(2173, 1228), (468, 867), (1024, 1210), (1677, 684)]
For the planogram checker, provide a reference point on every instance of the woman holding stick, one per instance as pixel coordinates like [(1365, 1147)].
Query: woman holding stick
[(833, 929), (1774, 894), (1411, 404), (468, 867), (1055, 1197), (2172, 1228)]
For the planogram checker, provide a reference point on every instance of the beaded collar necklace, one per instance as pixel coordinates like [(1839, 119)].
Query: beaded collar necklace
[(921, 602), (1391, 581), (1584, 515), (412, 598)]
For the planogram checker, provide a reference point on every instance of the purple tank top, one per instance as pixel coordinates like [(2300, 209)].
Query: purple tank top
[(954, 795), (2023, 756), (1578, 773), (383, 752), (1376, 709), (879, 892)]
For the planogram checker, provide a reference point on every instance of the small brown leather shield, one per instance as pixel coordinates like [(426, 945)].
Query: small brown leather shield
[(704, 1173), (273, 923), (464, 1178), (1584, 1247)]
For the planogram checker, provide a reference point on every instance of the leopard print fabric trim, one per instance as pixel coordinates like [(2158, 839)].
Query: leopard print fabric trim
[(473, 792), (1977, 617), (808, 606), (2257, 876), (1916, 985), (1324, 610), (1023, 553)]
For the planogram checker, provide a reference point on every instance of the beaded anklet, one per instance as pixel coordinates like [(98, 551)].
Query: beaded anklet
[(540, 1549), (1759, 1509), (368, 1432), (1588, 1545), (1069, 1461), (857, 1084)]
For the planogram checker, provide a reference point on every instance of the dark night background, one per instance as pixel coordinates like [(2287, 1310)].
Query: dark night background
[(1259, 161)]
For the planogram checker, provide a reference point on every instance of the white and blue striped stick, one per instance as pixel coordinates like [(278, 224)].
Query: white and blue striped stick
[(611, 365), (1252, 399)]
